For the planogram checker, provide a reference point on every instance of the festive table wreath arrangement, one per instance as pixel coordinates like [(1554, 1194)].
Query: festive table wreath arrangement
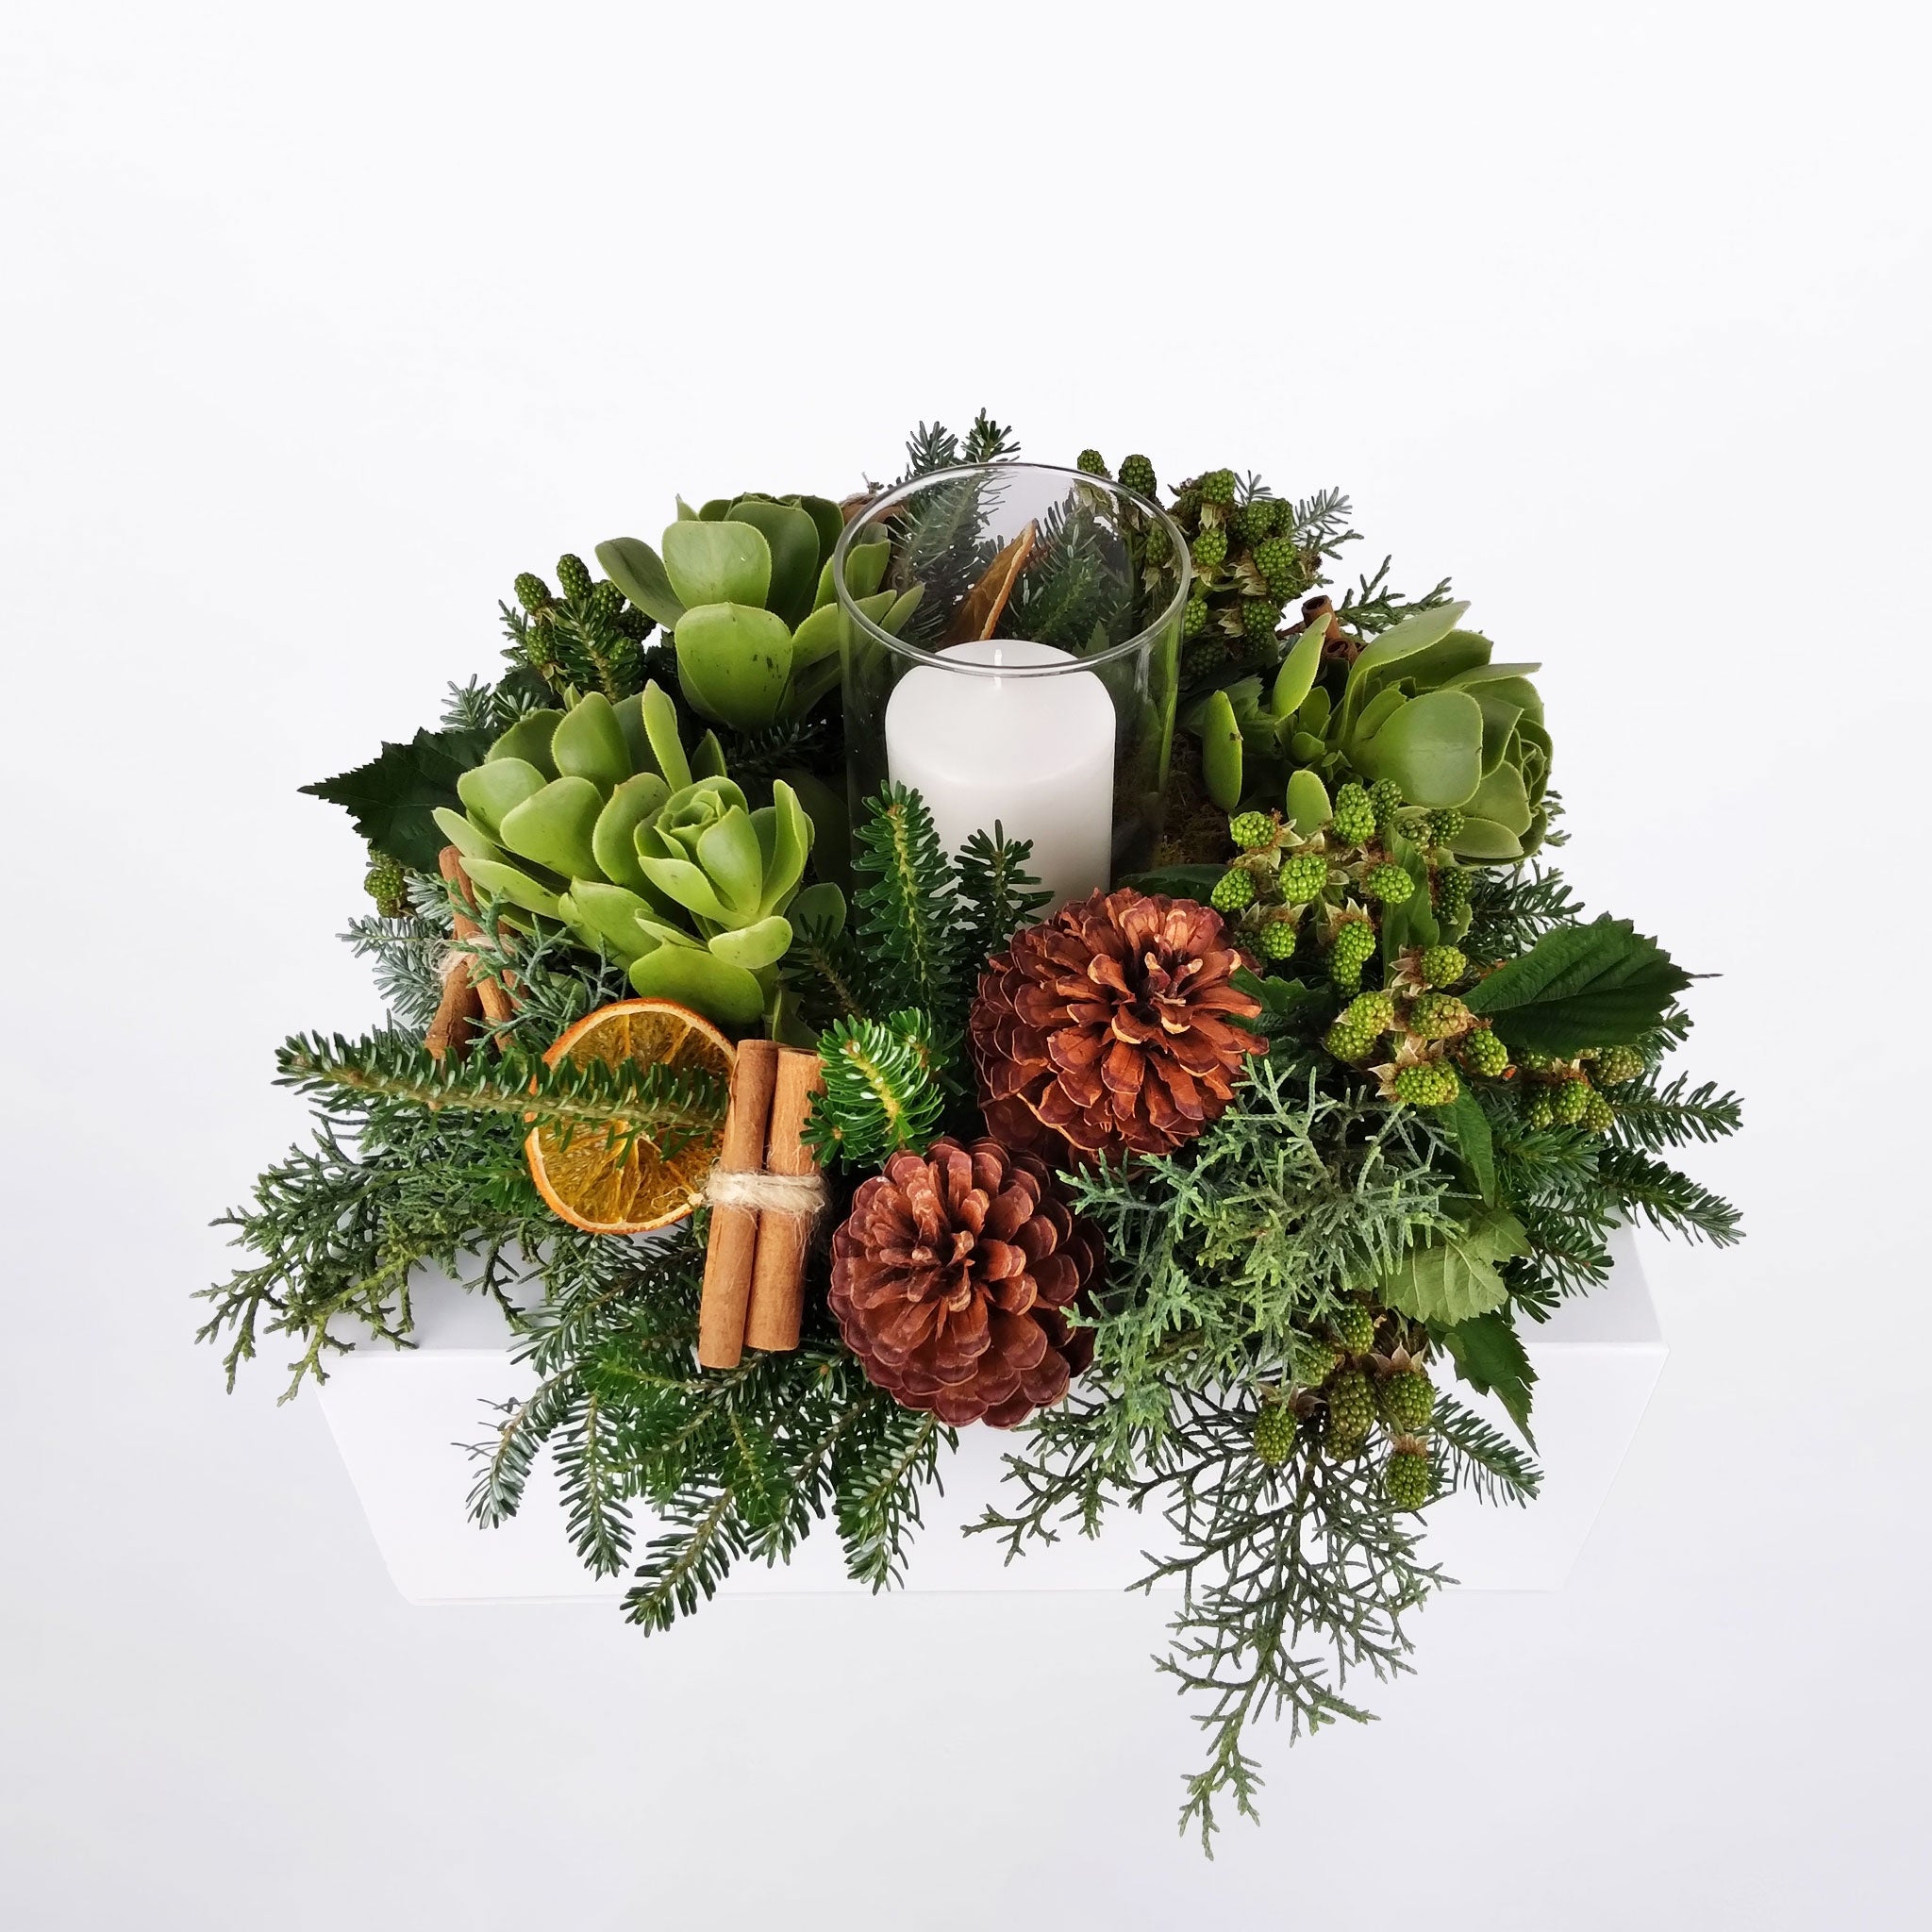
[(1206, 1183)]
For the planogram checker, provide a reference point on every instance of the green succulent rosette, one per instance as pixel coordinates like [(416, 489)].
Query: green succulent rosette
[(597, 819), (743, 586), (1422, 707)]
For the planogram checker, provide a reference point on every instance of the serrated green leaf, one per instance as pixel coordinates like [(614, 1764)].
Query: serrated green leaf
[(1454, 1278), (1468, 1127), (1489, 1356), (1598, 985), (392, 798)]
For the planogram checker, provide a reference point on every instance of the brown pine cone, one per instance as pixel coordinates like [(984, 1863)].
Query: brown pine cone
[(1110, 1028), (948, 1279)]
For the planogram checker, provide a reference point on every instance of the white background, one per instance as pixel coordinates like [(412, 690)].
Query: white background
[(321, 322)]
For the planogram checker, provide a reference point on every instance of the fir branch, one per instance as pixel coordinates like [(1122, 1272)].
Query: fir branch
[(1670, 1201), (909, 932), (661, 1106), (823, 968), (879, 1476), (1372, 607), (997, 894), (407, 956), (1473, 1456), (987, 442), (1649, 1118), (884, 1088)]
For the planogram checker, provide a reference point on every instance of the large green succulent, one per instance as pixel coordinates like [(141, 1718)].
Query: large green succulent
[(598, 819), (1421, 706), (745, 589)]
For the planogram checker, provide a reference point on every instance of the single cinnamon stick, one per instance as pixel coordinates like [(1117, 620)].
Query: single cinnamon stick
[(455, 1015), (498, 1007), (735, 1230), (777, 1284)]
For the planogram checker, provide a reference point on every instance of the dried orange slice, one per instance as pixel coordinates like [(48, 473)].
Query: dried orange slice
[(606, 1191)]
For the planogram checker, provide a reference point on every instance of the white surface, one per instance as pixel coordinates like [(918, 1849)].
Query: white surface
[(401, 1422), (319, 324), (1031, 755)]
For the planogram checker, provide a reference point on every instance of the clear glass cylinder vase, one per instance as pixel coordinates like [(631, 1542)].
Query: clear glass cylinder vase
[(1012, 652)]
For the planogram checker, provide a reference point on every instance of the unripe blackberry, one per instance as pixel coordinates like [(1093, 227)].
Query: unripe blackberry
[(1484, 1053), (1451, 892), (1373, 1011), (1438, 1016), (1302, 877), (1446, 824), (575, 577), (1137, 473), (1259, 618), (1354, 1328), (1442, 965), (1407, 1400), (1234, 892), (388, 884), (1615, 1065), (607, 600), (1599, 1116), (1570, 1103), (1194, 617), (1415, 826), (533, 593), (1347, 1043), (1354, 945), (1251, 830), (1274, 1434), (1314, 1361), (1385, 798), (1353, 822), (1092, 463), (1351, 1412), (1279, 563), (1388, 884), (1210, 549), (1409, 1479), (1539, 1110), (1277, 940), (633, 624), (1217, 486), (1431, 1084)]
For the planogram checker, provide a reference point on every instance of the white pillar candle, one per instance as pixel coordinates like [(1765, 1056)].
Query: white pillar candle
[(1033, 754)]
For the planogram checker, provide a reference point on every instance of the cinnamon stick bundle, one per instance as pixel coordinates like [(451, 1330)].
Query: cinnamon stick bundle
[(777, 1287), (733, 1242), (465, 992)]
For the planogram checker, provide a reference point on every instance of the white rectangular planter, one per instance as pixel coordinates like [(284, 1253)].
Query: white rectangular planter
[(400, 1419)]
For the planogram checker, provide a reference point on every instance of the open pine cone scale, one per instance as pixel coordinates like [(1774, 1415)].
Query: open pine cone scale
[(1113, 1028), (949, 1276)]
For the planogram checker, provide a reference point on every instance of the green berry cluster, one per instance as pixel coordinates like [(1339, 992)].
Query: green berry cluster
[(1137, 473), (1302, 877), (1353, 1323), (1210, 549), (1452, 896), (1407, 1400), (1354, 948), (1354, 820), (1615, 1066), (1439, 1016), (1432, 1083), (388, 884), (1278, 939), (1409, 1481), (1384, 801), (1484, 1053), (1218, 486), (1274, 1434), (1388, 884), (1234, 892), (1351, 1412), (1442, 965), (1251, 830), (1090, 462), (588, 639)]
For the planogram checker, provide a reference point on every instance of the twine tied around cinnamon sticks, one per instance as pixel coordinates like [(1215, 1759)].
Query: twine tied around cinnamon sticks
[(765, 1196)]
